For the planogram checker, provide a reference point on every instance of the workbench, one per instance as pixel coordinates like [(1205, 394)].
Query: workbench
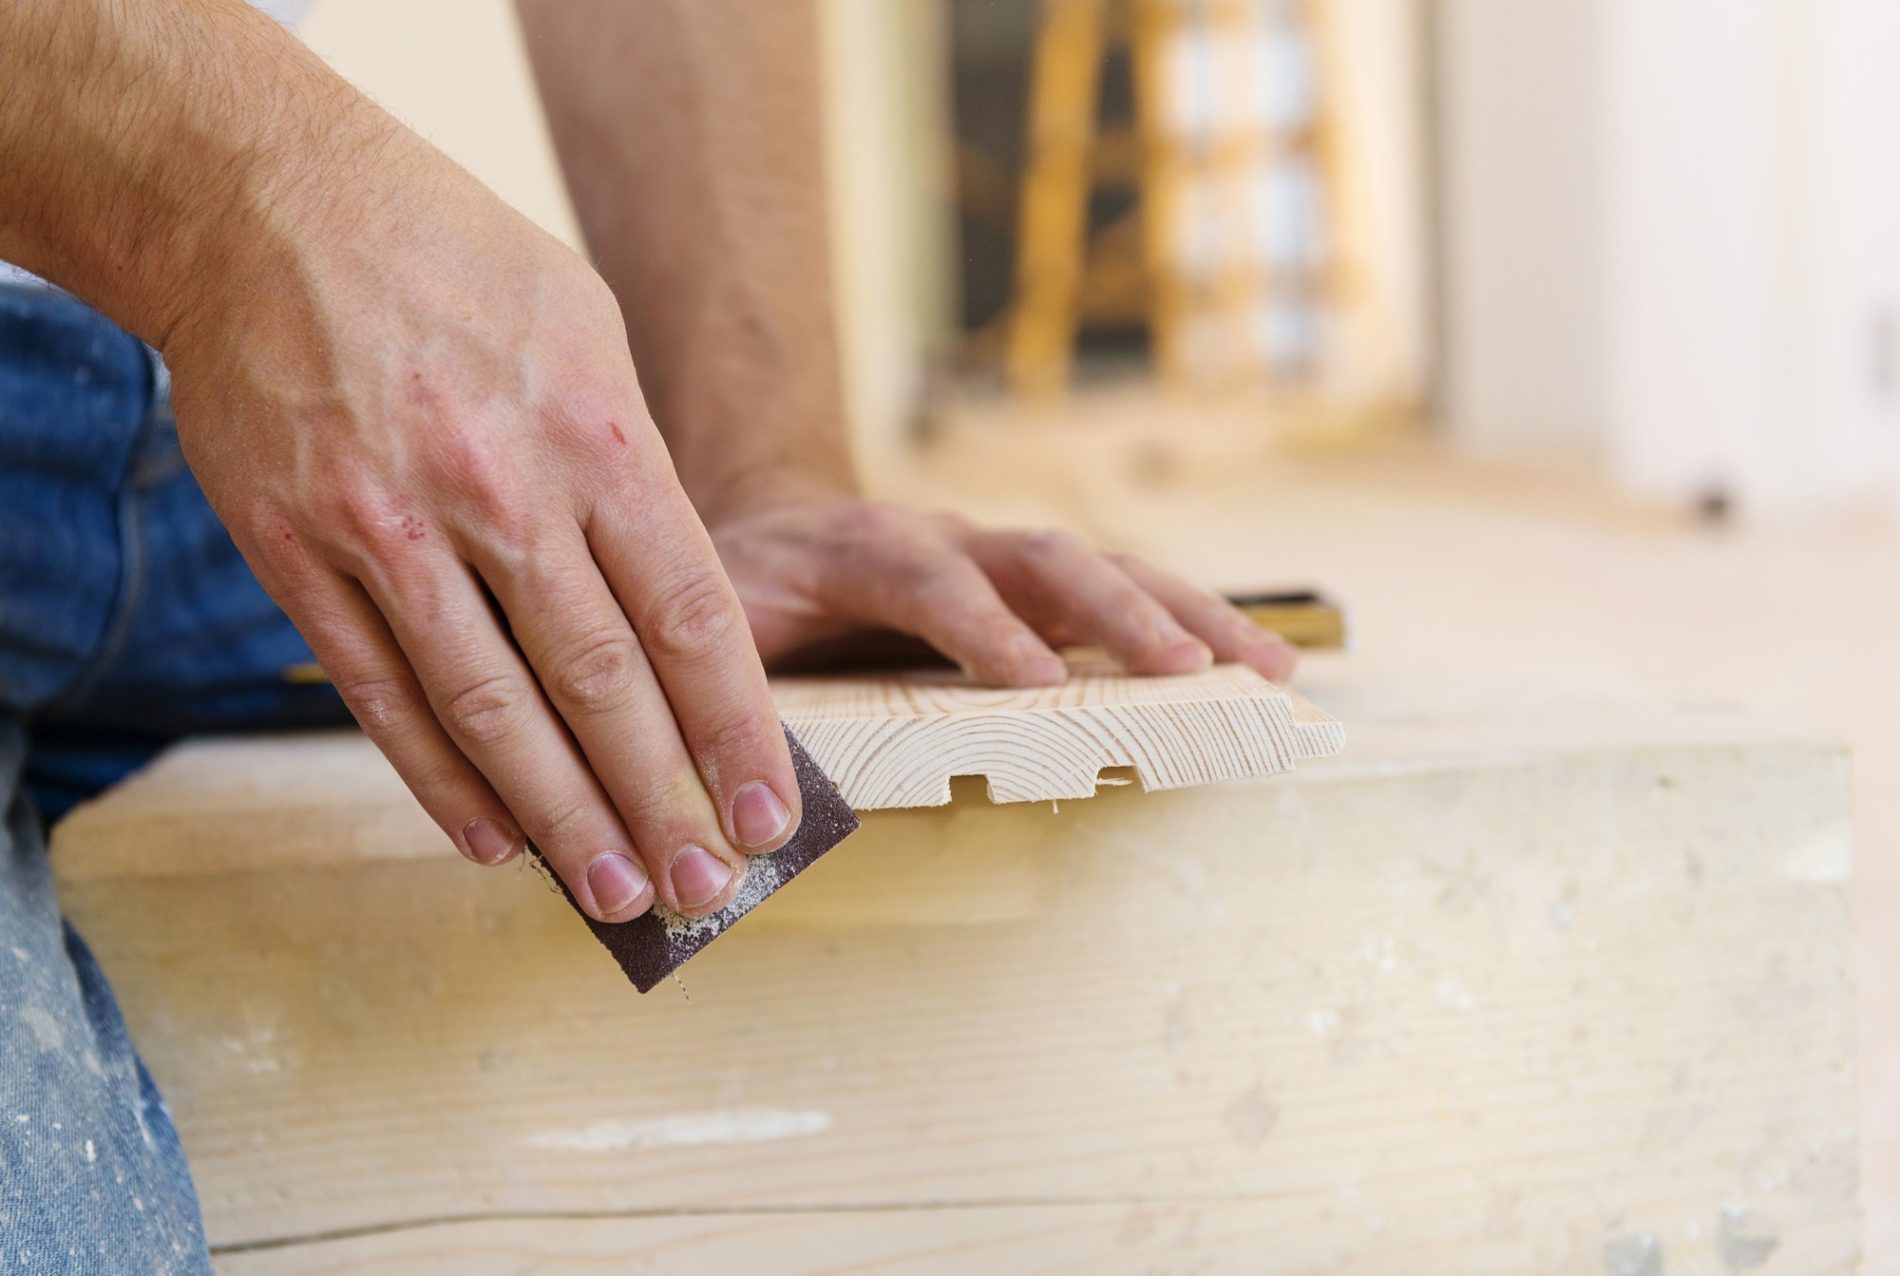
[(1524, 981)]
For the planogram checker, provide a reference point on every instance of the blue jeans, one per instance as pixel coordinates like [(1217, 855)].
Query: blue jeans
[(127, 619)]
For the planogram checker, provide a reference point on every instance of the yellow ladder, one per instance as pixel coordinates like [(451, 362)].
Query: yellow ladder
[(1134, 268)]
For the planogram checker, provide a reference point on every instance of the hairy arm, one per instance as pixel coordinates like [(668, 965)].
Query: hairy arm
[(417, 416), (689, 132), (142, 142)]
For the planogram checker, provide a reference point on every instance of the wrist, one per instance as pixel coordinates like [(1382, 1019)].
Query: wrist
[(740, 489), (746, 395)]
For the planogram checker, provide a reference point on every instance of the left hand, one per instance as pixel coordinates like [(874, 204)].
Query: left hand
[(823, 565)]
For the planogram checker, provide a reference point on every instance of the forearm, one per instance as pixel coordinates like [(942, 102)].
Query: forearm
[(689, 132), (145, 143)]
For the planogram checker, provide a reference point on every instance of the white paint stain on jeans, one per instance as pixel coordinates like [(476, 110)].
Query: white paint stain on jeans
[(46, 1029)]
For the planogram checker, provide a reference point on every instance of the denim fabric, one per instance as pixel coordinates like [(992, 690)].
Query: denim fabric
[(92, 1177), (127, 618)]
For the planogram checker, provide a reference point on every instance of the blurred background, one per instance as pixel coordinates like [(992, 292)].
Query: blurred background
[(1560, 340)]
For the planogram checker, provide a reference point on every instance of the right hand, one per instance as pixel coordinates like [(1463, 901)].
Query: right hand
[(418, 417)]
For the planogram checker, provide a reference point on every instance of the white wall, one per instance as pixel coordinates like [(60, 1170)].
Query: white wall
[(1520, 93), (1672, 237), (455, 71), (1382, 43), (886, 102)]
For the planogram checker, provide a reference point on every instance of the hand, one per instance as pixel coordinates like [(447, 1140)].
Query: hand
[(814, 565), (418, 417)]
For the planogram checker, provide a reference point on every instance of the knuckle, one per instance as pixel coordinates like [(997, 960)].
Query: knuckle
[(379, 704), (356, 509), (477, 473), (693, 616), (591, 429), (871, 521), (739, 735), (439, 781), (921, 570), (564, 822), (365, 525), (487, 711), (513, 549), (654, 812), (1048, 544), (599, 675), (954, 524), (464, 457)]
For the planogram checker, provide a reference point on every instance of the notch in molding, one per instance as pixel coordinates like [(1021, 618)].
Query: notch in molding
[(896, 739)]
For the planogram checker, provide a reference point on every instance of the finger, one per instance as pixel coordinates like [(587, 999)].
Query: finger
[(1217, 622), (660, 566), (485, 697), (1065, 586), (926, 589), (592, 669), (350, 639)]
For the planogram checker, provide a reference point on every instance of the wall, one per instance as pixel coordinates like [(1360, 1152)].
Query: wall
[(1669, 241), (1752, 214), (1378, 75), (455, 71), (1523, 363), (887, 106)]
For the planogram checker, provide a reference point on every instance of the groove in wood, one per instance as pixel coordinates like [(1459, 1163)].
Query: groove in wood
[(896, 740)]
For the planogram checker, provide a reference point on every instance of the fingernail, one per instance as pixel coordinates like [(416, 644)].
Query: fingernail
[(758, 816), (698, 876), (616, 882), (487, 841)]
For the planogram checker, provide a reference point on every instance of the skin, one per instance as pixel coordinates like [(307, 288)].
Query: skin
[(722, 269), (546, 585)]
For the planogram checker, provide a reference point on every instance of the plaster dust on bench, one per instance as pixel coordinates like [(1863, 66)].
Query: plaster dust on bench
[(687, 1129), (1397, 1010)]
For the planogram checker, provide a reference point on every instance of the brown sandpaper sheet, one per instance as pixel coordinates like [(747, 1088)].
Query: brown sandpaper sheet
[(659, 941)]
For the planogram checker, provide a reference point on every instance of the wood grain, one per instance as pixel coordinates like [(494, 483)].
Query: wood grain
[(1127, 1238), (892, 740), (1434, 1009), (897, 740)]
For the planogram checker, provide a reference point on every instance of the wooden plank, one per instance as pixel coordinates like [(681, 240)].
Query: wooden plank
[(1133, 1238), (891, 740), (1416, 1009), (896, 740)]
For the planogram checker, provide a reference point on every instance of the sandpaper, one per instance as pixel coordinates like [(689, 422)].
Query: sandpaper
[(656, 943)]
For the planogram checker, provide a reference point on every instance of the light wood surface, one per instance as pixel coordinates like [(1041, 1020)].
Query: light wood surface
[(890, 740), (896, 740), (1135, 1238), (1559, 981), (1486, 573)]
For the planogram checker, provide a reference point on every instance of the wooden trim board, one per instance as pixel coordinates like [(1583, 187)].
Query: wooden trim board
[(896, 740), (888, 740)]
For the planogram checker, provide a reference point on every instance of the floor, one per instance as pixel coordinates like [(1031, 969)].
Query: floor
[(1447, 565)]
